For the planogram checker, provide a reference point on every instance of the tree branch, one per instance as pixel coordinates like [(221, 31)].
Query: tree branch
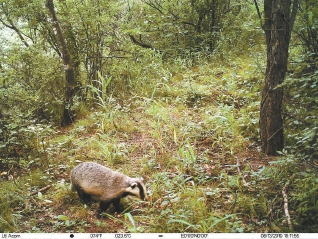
[(274, 133), (259, 13), (41, 190), (155, 5), (290, 225), (140, 43), (293, 14), (14, 28)]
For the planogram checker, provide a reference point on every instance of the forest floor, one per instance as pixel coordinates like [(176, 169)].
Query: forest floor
[(193, 140), (87, 221)]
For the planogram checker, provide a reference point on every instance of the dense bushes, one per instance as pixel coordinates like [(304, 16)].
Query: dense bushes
[(31, 96)]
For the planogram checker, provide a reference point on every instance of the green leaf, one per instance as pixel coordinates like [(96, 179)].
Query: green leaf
[(67, 223), (310, 17), (184, 222), (131, 219), (40, 196), (219, 220), (62, 217)]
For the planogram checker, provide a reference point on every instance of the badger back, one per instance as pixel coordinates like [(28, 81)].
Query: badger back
[(98, 180), (92, 178)]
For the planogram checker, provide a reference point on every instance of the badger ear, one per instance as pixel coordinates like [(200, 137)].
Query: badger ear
[(133, 185)]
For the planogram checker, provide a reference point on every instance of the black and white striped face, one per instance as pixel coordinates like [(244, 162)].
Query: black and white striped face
[(137, 189)]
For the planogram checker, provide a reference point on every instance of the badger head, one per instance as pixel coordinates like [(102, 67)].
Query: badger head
[(137, 188)]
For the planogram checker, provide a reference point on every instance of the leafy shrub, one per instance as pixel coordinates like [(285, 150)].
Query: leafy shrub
[(32, 99), (302, 191), (301, 114)]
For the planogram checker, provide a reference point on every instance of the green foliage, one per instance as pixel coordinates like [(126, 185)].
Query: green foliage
[(302, 123), (183, 207), (184, 116), (300, 109), (306, 29), (30, 85), (30, 104), (191, 27), (302, 190), (15, 195)]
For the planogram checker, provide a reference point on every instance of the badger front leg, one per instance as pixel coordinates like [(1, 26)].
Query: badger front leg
[(103, 205), (82, 195), (116, 203)]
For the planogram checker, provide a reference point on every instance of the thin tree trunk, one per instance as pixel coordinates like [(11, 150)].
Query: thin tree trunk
[(68, 115), (279, 20)]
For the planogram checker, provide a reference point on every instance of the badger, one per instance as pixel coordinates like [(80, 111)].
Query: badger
[(92, 179)]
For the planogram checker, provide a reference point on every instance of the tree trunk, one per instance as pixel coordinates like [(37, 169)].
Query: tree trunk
[(68, 115), (279, 20)]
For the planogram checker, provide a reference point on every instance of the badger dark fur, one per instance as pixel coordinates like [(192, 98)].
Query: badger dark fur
[(92, 179)]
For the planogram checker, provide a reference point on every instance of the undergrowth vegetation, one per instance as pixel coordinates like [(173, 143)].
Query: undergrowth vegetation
[(185, 119), (193, 142)]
